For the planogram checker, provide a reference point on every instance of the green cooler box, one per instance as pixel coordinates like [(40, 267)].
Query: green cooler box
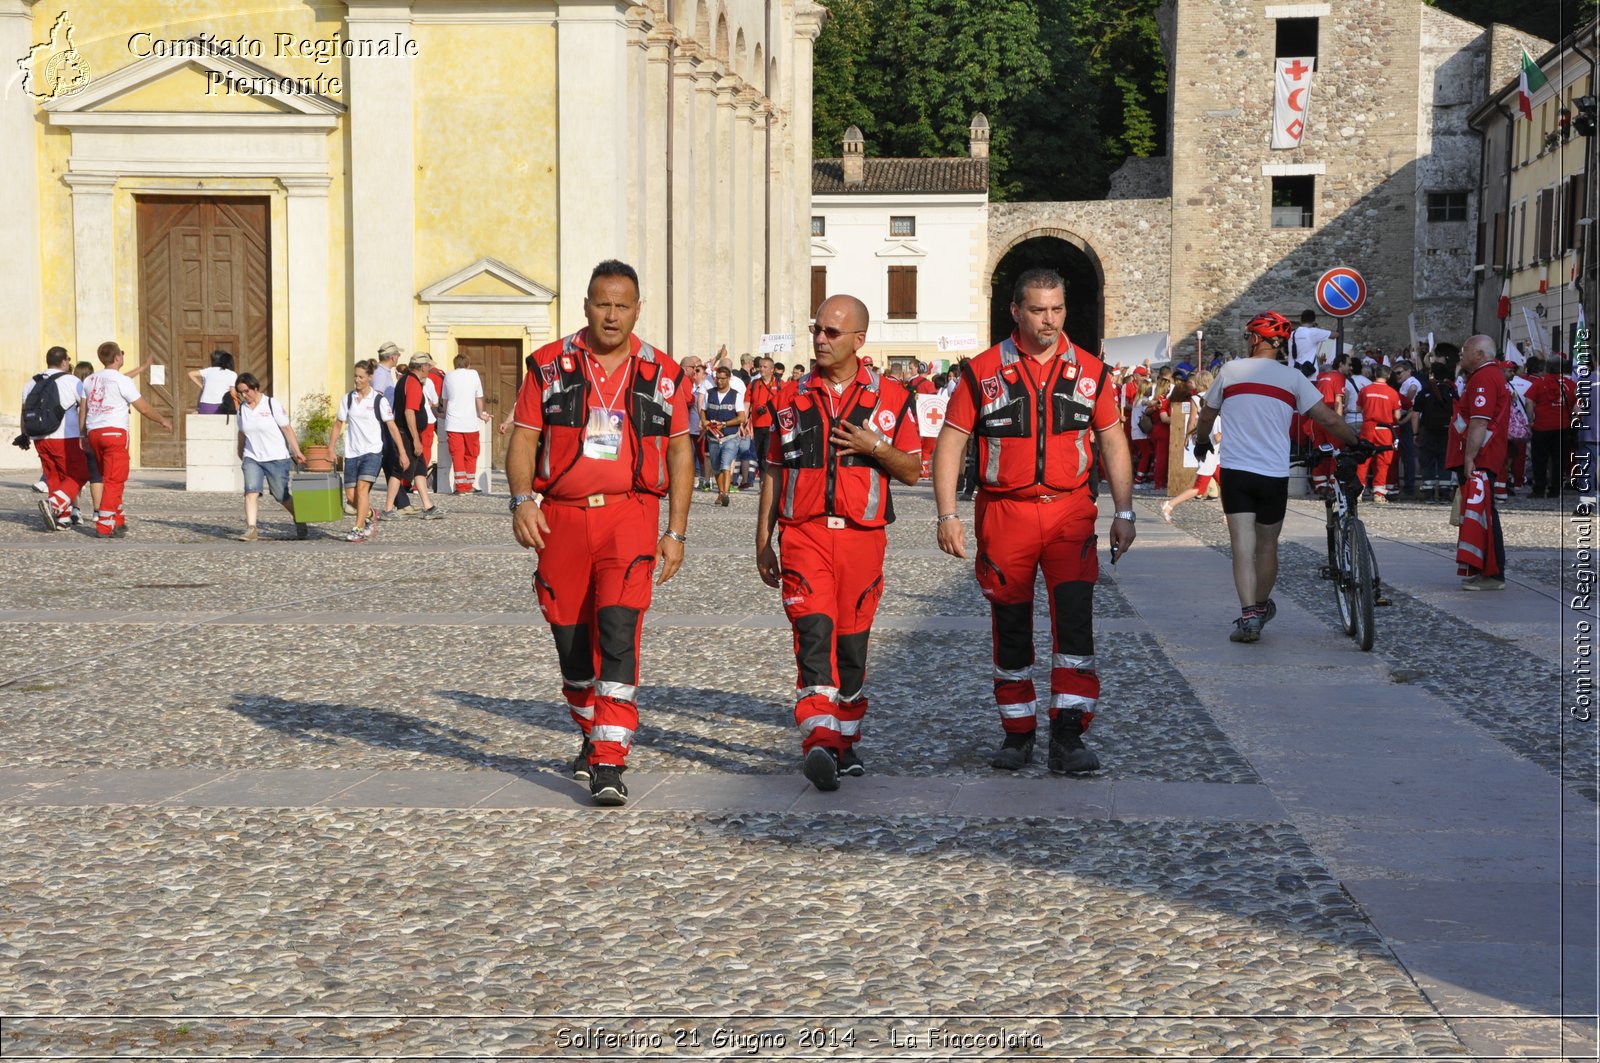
[(318, 497)]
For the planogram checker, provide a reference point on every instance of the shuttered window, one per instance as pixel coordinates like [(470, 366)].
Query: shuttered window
[(819, 288), (1574, 211), (902, 292), (1544, 224), (1497, 252)]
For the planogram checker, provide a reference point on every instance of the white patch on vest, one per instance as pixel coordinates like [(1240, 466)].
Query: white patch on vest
[(886, 421), (665, 387), (1481, 400), (1086, 387), (567, 364)]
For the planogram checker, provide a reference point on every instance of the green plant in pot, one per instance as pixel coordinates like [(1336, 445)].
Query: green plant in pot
[(313, 425)]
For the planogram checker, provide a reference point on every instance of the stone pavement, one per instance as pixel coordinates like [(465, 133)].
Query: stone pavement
[(306, 799)]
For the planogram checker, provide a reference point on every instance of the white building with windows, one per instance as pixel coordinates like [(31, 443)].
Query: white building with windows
[(910, 238)]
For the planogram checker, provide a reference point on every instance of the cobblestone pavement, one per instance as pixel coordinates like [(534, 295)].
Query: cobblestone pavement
[(306, 799)]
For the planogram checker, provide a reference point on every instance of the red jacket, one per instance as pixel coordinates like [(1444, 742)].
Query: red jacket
[(758, 400), (555, 400), (1487, 396), (1380, 409), (814, 479), (1033, 438)]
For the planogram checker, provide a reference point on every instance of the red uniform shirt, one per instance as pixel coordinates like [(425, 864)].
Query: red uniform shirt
[(758, 400), (1552, 396), (1380, 408), (1331, 385), (592, 476), (1487, 397), (813, 479)]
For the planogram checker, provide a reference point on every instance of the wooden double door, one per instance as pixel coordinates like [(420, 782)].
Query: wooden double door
[(499, 363), (204, 285)]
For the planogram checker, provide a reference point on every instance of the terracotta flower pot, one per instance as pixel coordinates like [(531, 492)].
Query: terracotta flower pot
[(318, 459)]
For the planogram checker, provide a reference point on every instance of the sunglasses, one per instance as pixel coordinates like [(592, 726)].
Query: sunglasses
[(832, 333)]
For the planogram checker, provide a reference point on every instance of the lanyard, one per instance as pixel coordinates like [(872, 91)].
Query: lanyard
[(846, 398), (626, 373)]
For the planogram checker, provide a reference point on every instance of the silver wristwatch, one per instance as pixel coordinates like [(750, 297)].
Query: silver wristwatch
[(517, 500), (1125, 514)]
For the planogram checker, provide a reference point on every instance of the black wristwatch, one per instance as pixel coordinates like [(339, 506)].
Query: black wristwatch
[(517, 500)]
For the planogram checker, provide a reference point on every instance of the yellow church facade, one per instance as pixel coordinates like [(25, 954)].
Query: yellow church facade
[(297, 182)]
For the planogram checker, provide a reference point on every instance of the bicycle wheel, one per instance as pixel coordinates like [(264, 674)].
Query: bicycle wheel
[(1342, 590), (1364, 593)]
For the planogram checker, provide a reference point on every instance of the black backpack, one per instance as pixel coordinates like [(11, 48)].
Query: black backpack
[(42, 411), (1434, 406)]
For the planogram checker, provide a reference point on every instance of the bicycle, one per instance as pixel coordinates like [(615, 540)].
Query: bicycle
[(1352, 566)]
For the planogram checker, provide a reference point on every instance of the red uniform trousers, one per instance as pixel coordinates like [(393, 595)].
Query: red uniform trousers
[(464, 447), (594, 585), (1143, 454), (928, 443), (1322, 465), (65, 469), (1017, 537), (1380, 463), (111, 452), (832, 580)]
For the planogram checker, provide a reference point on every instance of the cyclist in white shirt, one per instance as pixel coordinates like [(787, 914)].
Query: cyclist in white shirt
[(1261, 396), (266, 443)]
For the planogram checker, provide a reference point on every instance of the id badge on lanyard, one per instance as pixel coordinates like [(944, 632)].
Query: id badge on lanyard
[(602, 437)]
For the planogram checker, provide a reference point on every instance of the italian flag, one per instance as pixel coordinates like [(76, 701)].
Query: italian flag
[(1532, 81), (1503, 309), (1544, 279)]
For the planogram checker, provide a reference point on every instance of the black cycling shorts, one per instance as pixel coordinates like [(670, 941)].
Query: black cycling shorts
[(1249, 492)]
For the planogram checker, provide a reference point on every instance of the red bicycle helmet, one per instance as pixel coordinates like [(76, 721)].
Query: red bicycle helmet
[(1270, 325)]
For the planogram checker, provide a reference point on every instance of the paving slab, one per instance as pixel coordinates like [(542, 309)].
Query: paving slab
[(1144, 799), (119, 787), (418, 789), (273, 788), (1079, 798)]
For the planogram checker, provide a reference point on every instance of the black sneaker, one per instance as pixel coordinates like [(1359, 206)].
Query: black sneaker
[(580, 763), (1068, 754), (606, 785), (1246, 629), (49, 514), (1269, 609), (1014, 752), (821, 766), (120, 531), (301, 529), (850, 763)]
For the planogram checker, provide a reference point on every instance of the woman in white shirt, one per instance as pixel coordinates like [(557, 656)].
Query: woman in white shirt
[(266, 443), (215, 383), (366, 415)]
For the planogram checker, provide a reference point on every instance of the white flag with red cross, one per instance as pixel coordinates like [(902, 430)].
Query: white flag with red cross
[(1291, 100)]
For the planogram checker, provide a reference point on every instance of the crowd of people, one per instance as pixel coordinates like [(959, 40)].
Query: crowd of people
[(606, 427)]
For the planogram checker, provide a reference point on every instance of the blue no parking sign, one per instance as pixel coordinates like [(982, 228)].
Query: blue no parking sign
[(1341, 291)]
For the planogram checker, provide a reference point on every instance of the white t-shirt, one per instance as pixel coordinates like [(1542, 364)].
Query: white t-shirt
[(1353, 387), (70, 389), (1266, 394), (383, 382), (1305, 340), (262, 426), (363, 418), (215, 382), (109, 395), (462, 389), (430, 401)]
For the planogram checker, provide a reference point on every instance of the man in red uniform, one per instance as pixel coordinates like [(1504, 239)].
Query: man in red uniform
[(758, 401), (1039, 405), (919, 384), (1380, 411), (1476, 452), (841, 433), (602, 432), (61, 457), (103, 415), (1331, 386), (1552, 396)]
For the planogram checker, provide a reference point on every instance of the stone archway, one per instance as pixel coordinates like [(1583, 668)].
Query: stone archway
[(1069, 255)]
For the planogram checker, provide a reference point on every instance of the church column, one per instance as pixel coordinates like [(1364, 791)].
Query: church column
[(591, 51), (638, 212), (703, 293), (306, 221), (383, 216), (94, 265), (21, 267), (685, 151), (653, 262), (724, 281), (747, 228), (809, 19)]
